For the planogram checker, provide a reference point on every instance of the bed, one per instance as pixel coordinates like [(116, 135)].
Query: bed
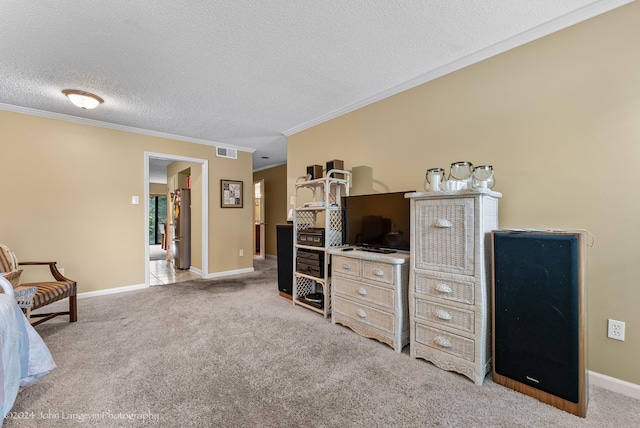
[(24, 357)]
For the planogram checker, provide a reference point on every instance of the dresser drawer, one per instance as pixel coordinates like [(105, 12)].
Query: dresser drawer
[(364, 314), (445, 342), (346, 266), (363, 292), (378, 272), (445, 288), (445, 315), (445, 241)]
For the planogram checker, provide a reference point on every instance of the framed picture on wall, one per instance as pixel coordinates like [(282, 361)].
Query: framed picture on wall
[(230, 194)]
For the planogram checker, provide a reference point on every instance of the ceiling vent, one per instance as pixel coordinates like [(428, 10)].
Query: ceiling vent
[(223, 152)]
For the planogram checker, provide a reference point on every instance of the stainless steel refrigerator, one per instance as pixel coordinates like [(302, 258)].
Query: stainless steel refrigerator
[(181, 201)]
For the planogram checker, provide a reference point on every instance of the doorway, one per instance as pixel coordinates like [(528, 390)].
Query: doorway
[(259, 219), (204, 224)]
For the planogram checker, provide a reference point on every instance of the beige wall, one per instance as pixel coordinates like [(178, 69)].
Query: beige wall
[(559, 119), (157, 189), (68, 199), (275, 188)]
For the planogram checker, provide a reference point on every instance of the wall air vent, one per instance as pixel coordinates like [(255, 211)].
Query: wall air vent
[(223, 152)]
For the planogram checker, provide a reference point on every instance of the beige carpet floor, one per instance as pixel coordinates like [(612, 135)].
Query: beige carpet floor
[(232, 353)]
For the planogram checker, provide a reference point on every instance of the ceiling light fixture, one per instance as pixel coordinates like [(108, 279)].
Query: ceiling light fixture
[(83, 99)]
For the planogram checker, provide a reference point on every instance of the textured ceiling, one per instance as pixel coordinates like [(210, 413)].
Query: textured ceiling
[(245, 73)]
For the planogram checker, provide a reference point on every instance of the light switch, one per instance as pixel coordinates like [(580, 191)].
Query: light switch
[(135, 200)]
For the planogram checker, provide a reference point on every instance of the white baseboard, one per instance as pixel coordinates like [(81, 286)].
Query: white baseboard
[(111, 291), (616, 385), (228, 273), (140, 286)]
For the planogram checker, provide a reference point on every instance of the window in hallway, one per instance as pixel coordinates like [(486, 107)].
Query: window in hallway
[(157, 218)]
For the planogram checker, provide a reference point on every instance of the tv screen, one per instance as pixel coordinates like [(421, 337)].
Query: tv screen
[(379, 220)]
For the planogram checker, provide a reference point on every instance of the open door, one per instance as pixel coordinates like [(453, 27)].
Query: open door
[(161, 160), (259, 218)]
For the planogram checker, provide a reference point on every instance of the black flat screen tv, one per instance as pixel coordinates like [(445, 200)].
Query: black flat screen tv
[(379, 220)]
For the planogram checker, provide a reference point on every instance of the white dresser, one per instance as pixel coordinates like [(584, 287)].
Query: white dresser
[(369, 294), (449, 292)]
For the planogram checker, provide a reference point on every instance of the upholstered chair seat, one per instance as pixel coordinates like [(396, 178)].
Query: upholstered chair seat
[(47, 291)]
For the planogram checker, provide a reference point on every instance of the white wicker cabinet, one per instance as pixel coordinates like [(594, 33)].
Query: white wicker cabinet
[(449, 293), (369, 295), (318, 205)]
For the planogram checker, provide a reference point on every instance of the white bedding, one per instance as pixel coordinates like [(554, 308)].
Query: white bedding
[(24, 357)]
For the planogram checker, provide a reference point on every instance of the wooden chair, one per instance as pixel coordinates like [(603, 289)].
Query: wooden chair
[(47, 291)]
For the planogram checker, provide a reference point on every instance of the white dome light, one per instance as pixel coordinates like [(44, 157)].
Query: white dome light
[(83, 99)]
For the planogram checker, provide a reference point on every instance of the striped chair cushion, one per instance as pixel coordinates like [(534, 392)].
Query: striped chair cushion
[(53, 291), (13, 277)]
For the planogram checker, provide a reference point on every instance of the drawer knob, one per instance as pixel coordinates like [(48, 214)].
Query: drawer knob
[(378, 272), (441, 341), (362, 314), (346, 267), (362, 292), (443, 288), (443, 315), (443, 223)]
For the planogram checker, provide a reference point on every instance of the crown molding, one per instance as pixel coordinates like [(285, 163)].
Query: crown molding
[(575, 17), (98, 123)]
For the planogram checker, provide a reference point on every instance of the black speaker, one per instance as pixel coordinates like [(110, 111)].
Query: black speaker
[(539, 315), (284, 248)]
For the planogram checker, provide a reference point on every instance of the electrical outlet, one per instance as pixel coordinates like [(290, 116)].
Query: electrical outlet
[(241, 252), (615, 329)]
